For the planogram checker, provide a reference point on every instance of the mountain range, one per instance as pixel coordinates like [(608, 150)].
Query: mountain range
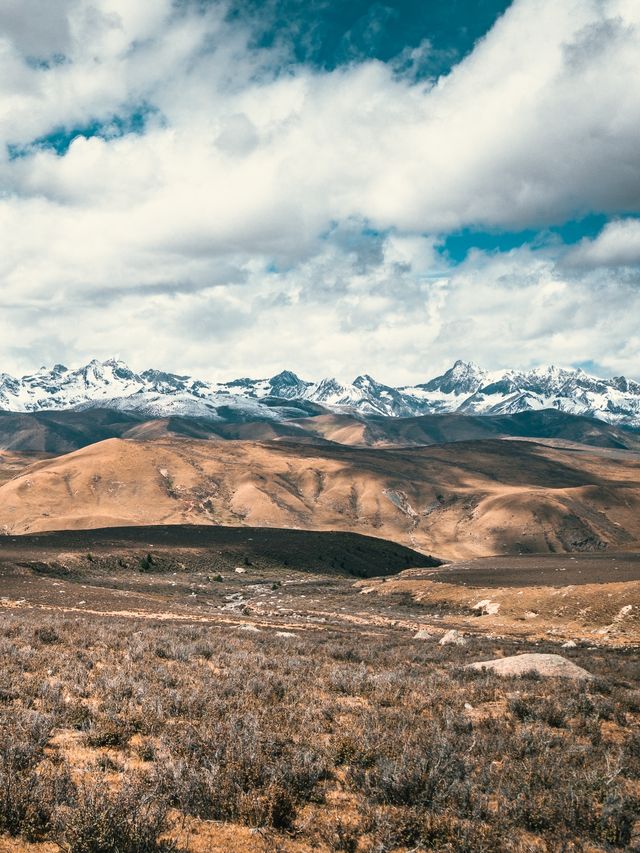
[(465, 388)]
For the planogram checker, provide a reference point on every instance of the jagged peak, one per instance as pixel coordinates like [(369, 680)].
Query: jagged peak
[(464, 387), (287, 377), (470, 366), (365, 381), (151, 373), (463, 377), (330, 382)]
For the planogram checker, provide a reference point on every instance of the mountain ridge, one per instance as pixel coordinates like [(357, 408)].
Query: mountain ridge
[(62, 431), (465, 388)]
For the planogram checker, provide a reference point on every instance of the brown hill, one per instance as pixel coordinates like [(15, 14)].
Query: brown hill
[(61, 432), (244, 550), (57, 432), (64, 431), (13, 463), (456, 500), (424, 430)]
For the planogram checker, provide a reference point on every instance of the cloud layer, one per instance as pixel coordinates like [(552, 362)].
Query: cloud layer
[(177, 197)]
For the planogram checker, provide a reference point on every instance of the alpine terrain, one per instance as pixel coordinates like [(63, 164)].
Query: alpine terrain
[(465, 388)]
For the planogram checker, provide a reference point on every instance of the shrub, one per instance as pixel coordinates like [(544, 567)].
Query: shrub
[(27, 797), (46, 636), (147, 563), (129, 820), (236, 770), (108, 732)]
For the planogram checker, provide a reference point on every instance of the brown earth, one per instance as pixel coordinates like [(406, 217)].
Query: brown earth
[(458, 500), (309, 661), (291, 578), (589, 597), (541, 570), (13, 463), (223, 549)]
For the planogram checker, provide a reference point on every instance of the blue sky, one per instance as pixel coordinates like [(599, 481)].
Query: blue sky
[(332, 187), (328, 34)]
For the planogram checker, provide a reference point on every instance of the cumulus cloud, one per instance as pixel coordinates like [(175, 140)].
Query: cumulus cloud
[(617, 245), (37, 28), (401, 315), (258, 196)]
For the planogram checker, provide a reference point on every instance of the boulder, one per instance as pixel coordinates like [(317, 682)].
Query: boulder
[(624, 611), (486, 607), (554, 666), (423, 634), (452, 638)]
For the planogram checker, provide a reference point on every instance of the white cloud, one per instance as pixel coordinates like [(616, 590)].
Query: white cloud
[(141, 244), (344, 311), (617, 245), (538, 123)]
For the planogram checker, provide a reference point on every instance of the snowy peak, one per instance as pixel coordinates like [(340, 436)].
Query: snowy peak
[(287, 385), (465, 387), (462, 378), (62, 388), (167, 383), (332, 392)]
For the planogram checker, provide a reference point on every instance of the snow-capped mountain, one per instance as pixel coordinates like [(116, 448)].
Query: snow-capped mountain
[(464, 388)]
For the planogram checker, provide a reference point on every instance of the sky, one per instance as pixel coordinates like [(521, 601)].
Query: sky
[(330, 186)]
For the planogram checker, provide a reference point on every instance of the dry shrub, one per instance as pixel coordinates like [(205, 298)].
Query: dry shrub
[(265, 732), (240, 769), (28, 790), (98, 820)]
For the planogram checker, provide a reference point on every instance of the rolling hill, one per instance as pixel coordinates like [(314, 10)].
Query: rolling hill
[(381, 431), (462, 499)]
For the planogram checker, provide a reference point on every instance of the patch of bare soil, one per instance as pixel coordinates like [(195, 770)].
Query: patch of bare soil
[(293, 578), (13, 463), (542, 570), (594, 598)]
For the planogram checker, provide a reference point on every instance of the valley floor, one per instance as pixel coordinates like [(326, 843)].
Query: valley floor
[(167, 698)]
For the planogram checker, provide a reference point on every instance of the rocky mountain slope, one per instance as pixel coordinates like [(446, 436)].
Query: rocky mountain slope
[(465, 388)]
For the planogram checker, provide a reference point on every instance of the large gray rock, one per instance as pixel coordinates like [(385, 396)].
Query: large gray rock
[(548, 665), (452, 638), (423, 634)]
